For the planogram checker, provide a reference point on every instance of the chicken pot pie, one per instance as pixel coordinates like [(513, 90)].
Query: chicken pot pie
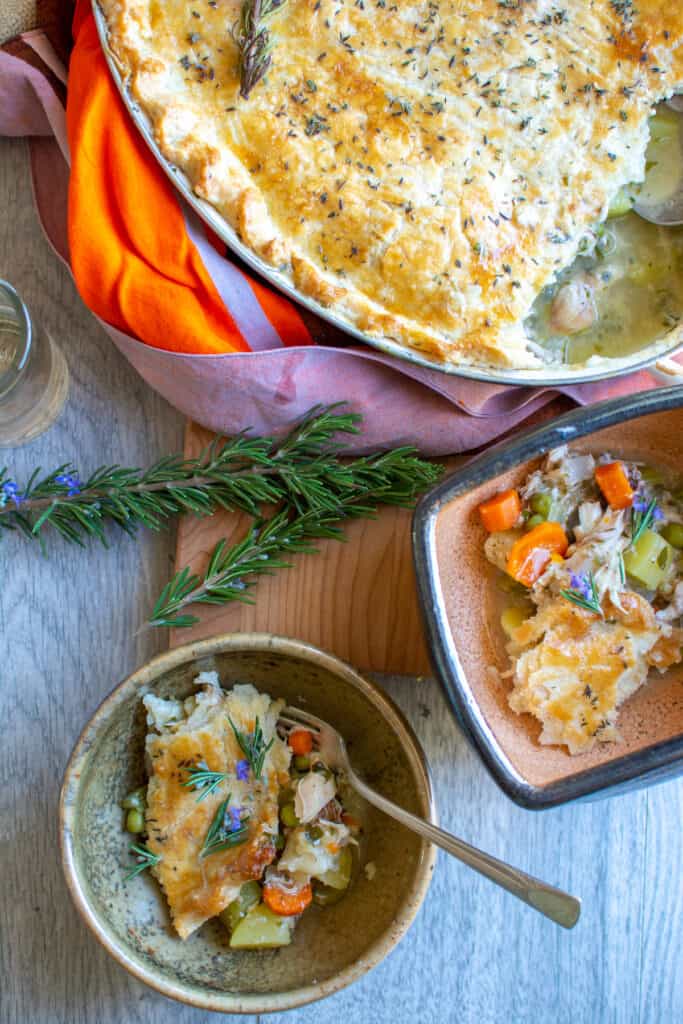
[(592, 552), (234, 822), (429, 169)]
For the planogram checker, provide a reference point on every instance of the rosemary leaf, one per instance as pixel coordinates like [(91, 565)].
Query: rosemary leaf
[(145, 859), (640, 521), (253, 746), (590, 603), (200, 778), (221, 835)]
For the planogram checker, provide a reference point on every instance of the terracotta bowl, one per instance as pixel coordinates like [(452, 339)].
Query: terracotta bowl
[(332, 946), (461, 606)]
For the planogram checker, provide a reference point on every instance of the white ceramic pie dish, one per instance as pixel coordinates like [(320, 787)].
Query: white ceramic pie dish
[(544, 376)]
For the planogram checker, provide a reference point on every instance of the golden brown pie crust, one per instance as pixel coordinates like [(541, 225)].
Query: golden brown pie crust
[(423, 168)]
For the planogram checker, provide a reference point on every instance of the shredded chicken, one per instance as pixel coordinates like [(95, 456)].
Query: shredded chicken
[(595, 631)]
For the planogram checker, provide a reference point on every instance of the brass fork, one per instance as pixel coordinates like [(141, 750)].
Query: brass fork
[(555, 904)]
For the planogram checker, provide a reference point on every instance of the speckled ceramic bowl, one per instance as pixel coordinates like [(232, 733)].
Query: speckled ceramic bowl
[(461, 604), (332, 946)]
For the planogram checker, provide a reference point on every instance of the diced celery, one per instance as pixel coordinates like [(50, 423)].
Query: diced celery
[(621, 203), (673, 533), (262, 929), (339, 877), (649, 559)]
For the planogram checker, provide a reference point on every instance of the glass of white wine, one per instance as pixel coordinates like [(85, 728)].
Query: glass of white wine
[(34, 378)]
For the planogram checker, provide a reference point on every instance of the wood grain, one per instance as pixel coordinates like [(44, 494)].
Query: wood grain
[(356, 599), (474, 956)]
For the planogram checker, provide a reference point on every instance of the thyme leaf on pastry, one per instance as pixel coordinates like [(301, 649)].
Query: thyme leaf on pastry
[(254, 42)]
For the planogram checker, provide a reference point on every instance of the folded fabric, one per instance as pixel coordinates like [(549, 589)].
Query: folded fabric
[(222, 346)]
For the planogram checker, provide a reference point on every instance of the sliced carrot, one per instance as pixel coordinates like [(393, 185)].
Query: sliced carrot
[(352, 822), (501, 512), (287, 904), (614, 484), (530, 555), (300, 741)]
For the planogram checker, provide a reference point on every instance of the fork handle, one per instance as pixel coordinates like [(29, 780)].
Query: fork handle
[(559, 906)]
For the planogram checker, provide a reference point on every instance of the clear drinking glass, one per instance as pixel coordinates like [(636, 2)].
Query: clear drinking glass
[(34, 378)]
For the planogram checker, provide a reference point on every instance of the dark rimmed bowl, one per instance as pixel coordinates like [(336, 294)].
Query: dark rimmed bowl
[(332, 946), (461, 610)]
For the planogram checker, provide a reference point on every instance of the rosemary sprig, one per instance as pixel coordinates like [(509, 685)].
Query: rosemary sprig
[(254, 42), (231, 571), (202, 779), (253, 746), (588, 600), (145, 859), (222, 835), (392, 478), (303, 471)]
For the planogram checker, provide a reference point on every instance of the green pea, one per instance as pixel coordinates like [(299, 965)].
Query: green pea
[(301, 762), (315, 833), (673, 532), (250, 896), (288, 816), (136, 800), (135, 821), (540, 504), (325, 895), (534, 520)]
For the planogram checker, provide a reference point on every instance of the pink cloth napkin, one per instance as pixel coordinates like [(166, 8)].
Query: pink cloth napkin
[(267, 389)]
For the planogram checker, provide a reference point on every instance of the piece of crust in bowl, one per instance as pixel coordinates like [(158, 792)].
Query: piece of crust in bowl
[(198, 732)]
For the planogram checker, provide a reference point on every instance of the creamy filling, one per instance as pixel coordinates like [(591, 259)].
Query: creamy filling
[(624, 290)]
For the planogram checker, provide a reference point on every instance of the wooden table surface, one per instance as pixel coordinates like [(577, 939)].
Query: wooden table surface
[(474, 955)]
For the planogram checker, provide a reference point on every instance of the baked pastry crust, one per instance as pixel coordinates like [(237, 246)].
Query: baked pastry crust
[(423, 168), (198, 887)]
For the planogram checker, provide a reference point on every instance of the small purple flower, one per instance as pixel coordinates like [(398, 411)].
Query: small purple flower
[(581, 584), (70, 480), (235, 818), (640, 503), (242, 770), (10, 492)]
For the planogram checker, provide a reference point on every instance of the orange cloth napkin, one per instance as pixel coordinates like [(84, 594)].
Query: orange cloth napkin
[(134, 262)]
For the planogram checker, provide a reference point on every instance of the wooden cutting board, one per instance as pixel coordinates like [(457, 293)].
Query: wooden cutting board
[(357, 599)]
